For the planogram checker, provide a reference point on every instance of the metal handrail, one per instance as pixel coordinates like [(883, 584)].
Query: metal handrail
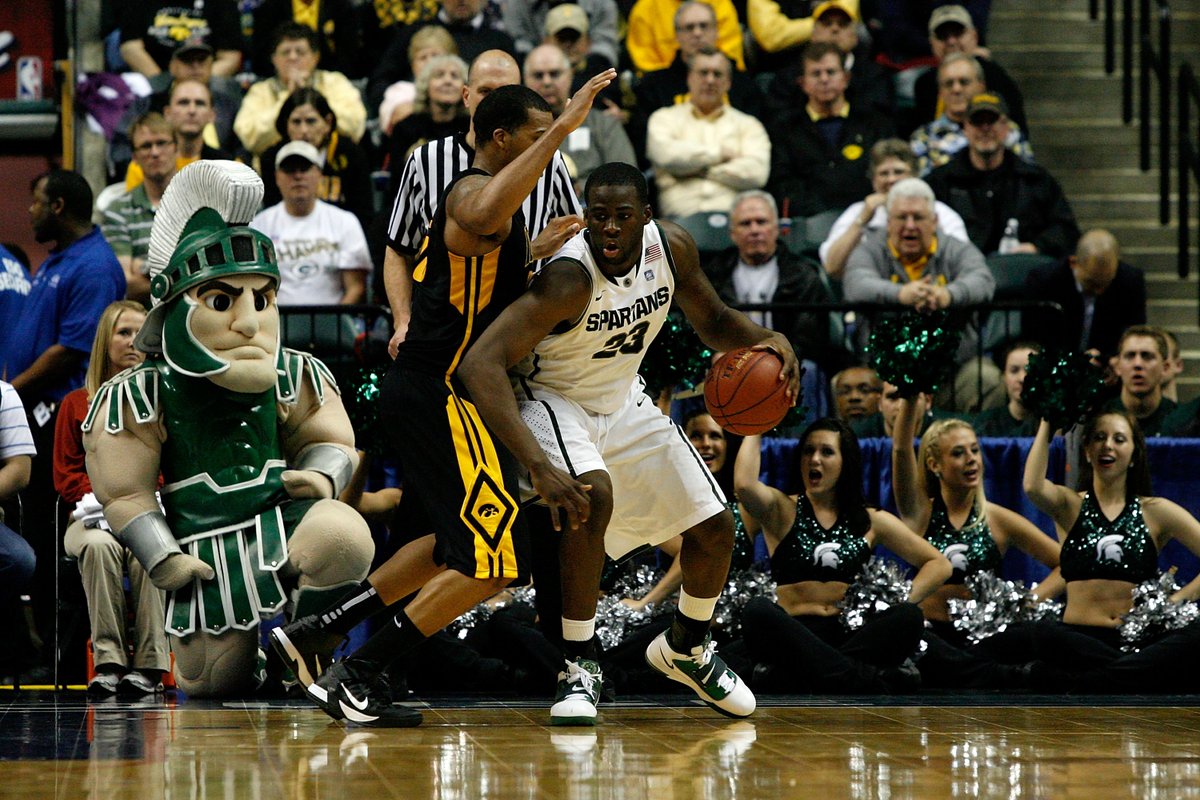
[(1154, 60), (1189, 159)]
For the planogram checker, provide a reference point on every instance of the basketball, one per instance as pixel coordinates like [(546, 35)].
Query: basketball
[(743, 391)]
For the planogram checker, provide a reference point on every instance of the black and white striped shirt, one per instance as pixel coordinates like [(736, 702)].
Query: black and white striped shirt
[(430, 169)]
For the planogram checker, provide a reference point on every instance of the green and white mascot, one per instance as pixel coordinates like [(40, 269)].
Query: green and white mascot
[(250, 438)]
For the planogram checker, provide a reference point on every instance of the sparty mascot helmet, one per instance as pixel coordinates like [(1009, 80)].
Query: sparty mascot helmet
[(200, 234)]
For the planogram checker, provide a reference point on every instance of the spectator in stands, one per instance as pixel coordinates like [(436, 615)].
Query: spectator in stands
[(17, 559), (951, 30), (151, 31), (189, 111), (101, 558), (695, 30), (466, 24), (321, 249), (1141, 358), (881, 423), (567, 26), (989, 187), (1100, 296), (959, 78), (599, 140), (704, 151), (337, 24), (128, 219), (529, 21), (345, 175), (48, 351), (1173, 367), (891, 161), (817, 149), (910, 265), (856, 393), (385, 20), (652, 34), (294, 54), (757, 269), (398, 99), (191, 61), (780, 27), (438, 111), (15, 283), (870, 85), (1011, 419)]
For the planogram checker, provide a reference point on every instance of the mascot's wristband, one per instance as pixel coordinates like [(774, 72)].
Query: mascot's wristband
[(330, 461), (150, 539)]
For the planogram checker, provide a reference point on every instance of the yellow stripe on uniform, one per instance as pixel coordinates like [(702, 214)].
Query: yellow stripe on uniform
[(488, 510), (471, 283)]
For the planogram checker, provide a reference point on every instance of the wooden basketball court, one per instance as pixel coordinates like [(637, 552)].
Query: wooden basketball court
[(62, 746)]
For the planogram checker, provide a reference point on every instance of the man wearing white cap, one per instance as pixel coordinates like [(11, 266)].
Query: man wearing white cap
[(322, 252)]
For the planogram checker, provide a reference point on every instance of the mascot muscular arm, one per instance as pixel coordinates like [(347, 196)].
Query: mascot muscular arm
[(250, 438)]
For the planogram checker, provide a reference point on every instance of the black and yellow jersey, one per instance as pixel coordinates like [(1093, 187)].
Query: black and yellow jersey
[(456, 297)]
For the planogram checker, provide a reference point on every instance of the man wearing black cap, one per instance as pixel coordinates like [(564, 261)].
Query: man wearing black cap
[(991, 188), (951, 30)]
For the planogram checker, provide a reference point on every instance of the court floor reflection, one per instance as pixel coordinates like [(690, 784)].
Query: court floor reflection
[(652, 749)]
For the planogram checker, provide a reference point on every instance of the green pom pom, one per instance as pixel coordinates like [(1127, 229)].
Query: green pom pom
[(914, 352), (362, 406), (676, 358), (1063, 389)]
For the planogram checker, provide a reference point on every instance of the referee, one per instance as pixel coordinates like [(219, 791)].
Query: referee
[(552, 211)]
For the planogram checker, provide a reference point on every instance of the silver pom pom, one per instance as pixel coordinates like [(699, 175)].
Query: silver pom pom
[(740, 589), (996, 604), (880, 585), (1153, 612)]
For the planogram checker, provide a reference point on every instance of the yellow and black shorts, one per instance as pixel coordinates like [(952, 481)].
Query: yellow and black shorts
[(459, 482)]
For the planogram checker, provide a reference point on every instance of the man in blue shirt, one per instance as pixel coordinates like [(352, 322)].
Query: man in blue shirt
[(47, 352), (15, 283)]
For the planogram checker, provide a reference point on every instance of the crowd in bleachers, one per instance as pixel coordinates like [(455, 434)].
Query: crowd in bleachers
[(818, 152)]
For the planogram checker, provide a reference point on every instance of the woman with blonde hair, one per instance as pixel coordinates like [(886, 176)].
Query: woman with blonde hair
[(102, 559), (438, 111), (939, 494)]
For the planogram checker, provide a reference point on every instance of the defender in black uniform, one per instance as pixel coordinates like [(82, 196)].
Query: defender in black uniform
[(461, 487)]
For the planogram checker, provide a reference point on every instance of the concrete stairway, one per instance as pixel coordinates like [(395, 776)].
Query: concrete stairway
[(1056, 55)]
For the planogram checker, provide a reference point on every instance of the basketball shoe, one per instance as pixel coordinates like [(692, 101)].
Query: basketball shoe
[(356, 691), (705, 672), (577, 694)]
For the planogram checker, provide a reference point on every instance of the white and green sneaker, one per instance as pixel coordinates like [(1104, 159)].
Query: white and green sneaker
[(577, 695), (706, 673)]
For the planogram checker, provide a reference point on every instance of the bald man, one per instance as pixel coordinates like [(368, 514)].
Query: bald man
[(1100, 296), (599, 140), (552, 210)]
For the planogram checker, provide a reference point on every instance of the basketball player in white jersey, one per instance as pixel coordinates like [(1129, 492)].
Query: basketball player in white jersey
[(596, 447)]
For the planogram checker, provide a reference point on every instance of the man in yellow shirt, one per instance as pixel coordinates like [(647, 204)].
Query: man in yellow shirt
[(651, 38)]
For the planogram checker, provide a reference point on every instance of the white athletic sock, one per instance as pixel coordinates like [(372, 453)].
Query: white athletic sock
[(579, 630), (697, 608)]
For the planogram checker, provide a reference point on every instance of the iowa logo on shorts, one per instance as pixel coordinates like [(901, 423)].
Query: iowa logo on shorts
[(489, 512)]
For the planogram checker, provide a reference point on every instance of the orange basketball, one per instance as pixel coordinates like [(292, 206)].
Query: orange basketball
[(743, 391)]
